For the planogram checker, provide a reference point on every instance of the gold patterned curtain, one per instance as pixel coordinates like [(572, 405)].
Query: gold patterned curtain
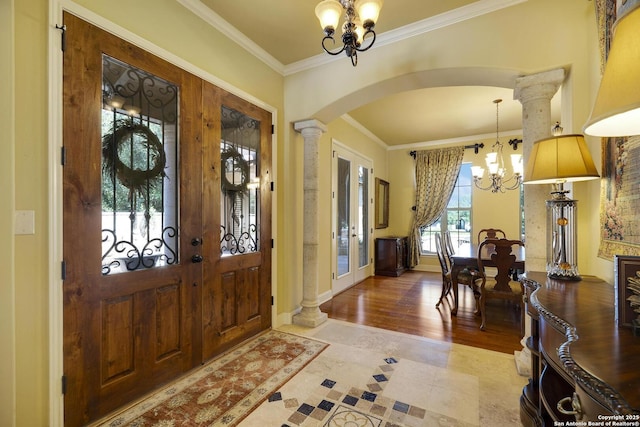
[(436, 175)]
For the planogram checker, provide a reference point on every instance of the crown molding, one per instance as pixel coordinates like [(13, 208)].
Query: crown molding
[(442, 20), (464, 13), (356, 124), (452, 141), (217, 22)]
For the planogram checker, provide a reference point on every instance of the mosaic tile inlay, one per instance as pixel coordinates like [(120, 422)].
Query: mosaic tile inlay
[(341, 405)]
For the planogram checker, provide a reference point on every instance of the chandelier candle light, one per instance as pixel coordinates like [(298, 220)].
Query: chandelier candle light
[(497, 170), (360, 18)]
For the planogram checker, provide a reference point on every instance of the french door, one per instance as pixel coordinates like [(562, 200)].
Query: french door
[(166, 221), (352, 212)]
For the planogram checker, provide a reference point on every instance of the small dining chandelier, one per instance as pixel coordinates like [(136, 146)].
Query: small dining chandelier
[(360, 18), (495, 164)]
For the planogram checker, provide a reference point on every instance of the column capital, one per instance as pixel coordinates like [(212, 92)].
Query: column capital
[(313, 125), (538, 86)]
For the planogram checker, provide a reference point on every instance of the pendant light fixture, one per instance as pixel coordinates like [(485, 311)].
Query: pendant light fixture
[(497, 180), (360, 18)]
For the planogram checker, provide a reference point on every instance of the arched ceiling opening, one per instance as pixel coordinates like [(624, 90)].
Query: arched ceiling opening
[(435, 105)]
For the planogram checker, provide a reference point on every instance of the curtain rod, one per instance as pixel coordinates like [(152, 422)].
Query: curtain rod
[(476, 147)]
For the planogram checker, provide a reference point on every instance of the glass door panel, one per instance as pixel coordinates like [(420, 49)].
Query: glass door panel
[(343, 200), (139, 169), (239, 183), (363, 216), (352, 232)]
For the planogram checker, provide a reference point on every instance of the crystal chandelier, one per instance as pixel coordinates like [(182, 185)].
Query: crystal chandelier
[(497, 171), (358, 25)]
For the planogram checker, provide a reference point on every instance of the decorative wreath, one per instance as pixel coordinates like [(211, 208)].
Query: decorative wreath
[(240, 165), (134, 179)]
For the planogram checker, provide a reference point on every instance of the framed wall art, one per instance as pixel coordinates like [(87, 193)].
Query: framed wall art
[(627, 285), (382, 203)]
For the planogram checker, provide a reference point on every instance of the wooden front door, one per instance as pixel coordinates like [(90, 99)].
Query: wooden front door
[(153, 285), (237, 221)]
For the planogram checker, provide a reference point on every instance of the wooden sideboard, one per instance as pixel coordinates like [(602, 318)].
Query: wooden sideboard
[(391, 256), (582, 363)]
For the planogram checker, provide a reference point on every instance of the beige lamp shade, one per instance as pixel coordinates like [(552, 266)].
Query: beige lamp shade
[(557, 159), (616, 111)]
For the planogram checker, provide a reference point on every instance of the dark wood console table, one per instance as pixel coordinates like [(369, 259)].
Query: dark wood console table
[(391, 256), (584, 367)]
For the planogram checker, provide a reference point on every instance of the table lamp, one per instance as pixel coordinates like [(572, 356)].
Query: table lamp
[(616, 111), (556, 160)]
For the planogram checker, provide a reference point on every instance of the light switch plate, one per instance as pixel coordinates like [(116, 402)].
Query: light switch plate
[(25, 222)]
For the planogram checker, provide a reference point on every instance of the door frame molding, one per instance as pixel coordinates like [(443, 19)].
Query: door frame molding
[(55, 202), (344, 147)]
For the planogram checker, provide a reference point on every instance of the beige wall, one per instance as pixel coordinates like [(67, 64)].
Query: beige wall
[(7, 248), (510, 40), (31, 193)]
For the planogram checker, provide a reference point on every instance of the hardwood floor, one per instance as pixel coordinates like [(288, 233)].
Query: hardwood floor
[(408, 304)]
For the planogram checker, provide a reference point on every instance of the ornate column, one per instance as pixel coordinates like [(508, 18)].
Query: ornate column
[(310, 315), (534, 93)]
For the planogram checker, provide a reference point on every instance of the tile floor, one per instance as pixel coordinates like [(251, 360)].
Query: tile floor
[(378, 378)]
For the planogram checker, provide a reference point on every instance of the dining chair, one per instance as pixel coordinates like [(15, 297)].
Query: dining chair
[(468, 277), (501, 285), (448, 243), (444, 267), (491, 233)]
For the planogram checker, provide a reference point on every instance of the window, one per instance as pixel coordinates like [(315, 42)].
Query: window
[(239, 183), (457, 215), (139, 169)]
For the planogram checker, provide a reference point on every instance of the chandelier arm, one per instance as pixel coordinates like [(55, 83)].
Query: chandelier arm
[(516, 184), (497, 184), (364, 37), (334, 42), (491, 186)]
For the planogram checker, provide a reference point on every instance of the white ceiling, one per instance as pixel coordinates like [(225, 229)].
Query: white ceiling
[(287, 33)]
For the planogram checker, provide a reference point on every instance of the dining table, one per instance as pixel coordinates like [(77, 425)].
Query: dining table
[(466, 256)]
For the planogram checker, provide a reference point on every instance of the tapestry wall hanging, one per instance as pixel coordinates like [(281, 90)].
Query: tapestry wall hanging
[(619, 195)]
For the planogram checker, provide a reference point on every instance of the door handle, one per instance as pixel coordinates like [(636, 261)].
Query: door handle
[(196, 258), (196, 241)]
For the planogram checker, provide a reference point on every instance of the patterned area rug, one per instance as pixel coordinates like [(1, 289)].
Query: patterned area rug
[(227, 389)]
